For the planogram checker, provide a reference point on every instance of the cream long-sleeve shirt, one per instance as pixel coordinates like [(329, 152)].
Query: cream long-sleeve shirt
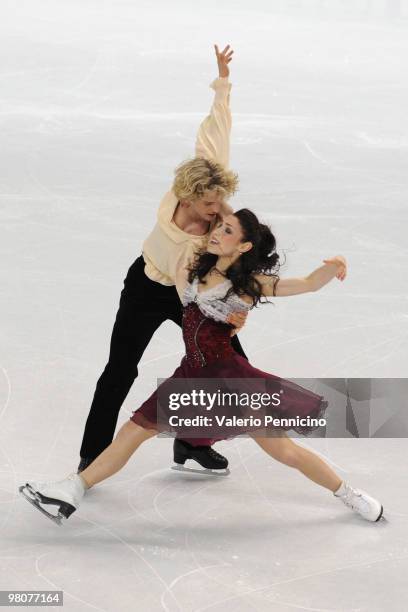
[(167, 246)]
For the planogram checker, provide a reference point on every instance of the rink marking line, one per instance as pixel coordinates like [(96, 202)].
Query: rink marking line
[(317, 156), (304, 577), (397, 345), (189, 573), (188, 548), (61, 422), (367, 350), (60, 588), (324, 333), (149, 565), (155, 359), (189, 531), (255, 485), (168, 486), (116, 536), (356, 171), (9, 461), (8, 381), (214, 579), (205, 567), (132, 482), (31, 158), (187, 494)]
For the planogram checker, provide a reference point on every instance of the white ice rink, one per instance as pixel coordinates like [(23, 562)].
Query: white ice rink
[(100, 100)]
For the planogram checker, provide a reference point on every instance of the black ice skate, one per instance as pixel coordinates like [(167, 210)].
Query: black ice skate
[(212, 462), (65, 495)]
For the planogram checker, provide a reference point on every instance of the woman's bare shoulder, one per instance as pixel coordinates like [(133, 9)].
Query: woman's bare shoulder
[(266, 282)]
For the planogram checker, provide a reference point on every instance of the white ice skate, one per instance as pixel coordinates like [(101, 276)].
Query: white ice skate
[(66, 494), (358, 500)]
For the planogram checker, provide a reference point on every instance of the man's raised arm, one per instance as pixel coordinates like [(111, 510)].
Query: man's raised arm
[(213, 138)]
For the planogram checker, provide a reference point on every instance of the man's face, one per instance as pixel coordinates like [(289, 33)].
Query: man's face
[(208, 206)]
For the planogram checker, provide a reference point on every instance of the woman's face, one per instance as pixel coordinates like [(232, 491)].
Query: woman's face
[(226, 237)]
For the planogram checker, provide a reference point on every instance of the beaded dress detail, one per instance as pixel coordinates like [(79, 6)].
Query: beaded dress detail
[(205, 341), (209, 354)]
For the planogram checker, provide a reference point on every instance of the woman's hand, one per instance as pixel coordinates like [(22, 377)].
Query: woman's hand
[(341, 264), (223, 59), (237, 319)]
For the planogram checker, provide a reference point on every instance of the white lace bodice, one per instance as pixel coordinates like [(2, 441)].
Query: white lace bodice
[(210, 300)]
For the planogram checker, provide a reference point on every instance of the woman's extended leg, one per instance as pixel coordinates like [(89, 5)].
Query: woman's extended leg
[(286, 451), (116, 455), (66, 495)]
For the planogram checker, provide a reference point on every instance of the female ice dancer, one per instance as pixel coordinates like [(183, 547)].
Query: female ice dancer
[(236, 269)]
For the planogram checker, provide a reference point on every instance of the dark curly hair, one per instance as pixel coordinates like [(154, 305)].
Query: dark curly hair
[(261, 259)]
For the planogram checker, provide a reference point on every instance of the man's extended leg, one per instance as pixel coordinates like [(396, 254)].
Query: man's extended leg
[(143, 307)]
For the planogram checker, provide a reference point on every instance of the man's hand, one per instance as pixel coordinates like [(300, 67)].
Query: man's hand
[(223, 59), (237, 319)]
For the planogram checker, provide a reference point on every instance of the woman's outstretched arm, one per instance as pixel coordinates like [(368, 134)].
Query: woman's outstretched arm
[(279, 287)]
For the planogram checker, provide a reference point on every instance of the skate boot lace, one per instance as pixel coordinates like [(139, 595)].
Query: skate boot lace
[(350, 500), (47, 483), (213, 453)]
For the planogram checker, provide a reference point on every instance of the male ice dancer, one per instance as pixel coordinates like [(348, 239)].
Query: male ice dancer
[(186, 216)]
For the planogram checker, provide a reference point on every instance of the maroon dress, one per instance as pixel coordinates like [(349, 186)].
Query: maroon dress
[(210, 355)]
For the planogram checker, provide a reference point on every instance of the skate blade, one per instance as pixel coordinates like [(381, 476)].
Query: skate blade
[(382, 517), (31, 496), (204, 471)]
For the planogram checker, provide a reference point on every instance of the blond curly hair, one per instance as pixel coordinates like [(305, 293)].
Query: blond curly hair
[(197, 175)]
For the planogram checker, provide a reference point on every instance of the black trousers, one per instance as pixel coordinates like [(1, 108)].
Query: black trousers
[(144, 306)]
